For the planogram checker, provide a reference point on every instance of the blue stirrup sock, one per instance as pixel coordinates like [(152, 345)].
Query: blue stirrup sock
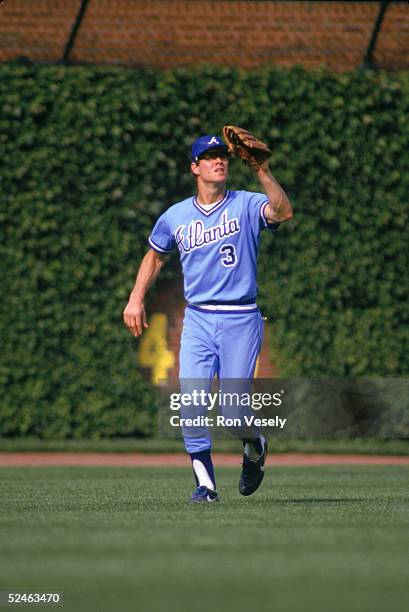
[(203, 469)]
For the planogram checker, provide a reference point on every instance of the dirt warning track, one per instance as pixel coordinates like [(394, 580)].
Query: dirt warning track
[(182, 460)]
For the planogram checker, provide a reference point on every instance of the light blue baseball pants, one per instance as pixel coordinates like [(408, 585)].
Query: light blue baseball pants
[(217, 343)]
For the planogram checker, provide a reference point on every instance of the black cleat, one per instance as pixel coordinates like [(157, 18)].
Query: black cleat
[(252, 473)]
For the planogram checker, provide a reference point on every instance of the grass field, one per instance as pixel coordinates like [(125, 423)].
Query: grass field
[(118, 539)]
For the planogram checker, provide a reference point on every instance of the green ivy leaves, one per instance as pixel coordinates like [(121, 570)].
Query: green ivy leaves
[(91, 156)]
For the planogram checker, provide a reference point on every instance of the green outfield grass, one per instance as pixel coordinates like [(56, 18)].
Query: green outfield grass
[(118, 539)]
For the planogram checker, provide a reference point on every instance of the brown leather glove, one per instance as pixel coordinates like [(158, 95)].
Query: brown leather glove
[(247, 147)]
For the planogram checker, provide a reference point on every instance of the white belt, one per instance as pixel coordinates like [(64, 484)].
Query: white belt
[(227, 307)]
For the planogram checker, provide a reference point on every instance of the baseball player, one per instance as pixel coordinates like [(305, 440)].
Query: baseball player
[(216, 232)]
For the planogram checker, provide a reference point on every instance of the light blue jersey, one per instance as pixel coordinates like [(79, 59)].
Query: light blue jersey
[(218, 245)]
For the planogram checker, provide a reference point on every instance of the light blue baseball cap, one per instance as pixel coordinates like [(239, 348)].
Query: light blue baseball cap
[(205, 143)]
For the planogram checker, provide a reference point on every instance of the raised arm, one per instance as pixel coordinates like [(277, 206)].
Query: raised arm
[(279, 207), (134, 313)]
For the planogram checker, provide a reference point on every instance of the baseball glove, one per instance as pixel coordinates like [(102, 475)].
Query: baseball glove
[(243, 144)]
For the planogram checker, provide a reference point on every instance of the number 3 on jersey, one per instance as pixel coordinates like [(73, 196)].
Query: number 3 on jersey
[(229, 258)]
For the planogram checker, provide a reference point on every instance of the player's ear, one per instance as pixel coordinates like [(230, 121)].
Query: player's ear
[(194, 168)]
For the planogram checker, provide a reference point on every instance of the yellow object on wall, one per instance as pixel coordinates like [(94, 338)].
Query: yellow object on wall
[(257, 367), (153, 349)]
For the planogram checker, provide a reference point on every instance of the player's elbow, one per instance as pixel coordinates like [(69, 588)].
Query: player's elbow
[(289, 215), (287, 210), (284, 213)]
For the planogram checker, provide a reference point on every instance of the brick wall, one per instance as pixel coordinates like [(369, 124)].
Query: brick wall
[(165, 33), (35, 29)]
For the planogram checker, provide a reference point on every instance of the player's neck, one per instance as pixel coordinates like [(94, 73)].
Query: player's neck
[(208, 194)]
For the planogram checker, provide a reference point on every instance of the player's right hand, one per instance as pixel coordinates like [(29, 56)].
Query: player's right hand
[(135, 317)]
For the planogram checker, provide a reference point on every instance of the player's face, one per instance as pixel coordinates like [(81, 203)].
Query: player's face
[(212, 166)]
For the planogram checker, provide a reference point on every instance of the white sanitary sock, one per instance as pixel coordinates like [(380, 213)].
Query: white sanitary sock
[(202, 475)]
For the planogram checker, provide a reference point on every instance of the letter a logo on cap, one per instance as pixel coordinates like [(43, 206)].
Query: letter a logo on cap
[(213, 140)]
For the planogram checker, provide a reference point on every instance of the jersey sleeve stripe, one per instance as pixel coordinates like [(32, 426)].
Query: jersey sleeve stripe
[(156, 247), (266, 223), (262, 213)]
